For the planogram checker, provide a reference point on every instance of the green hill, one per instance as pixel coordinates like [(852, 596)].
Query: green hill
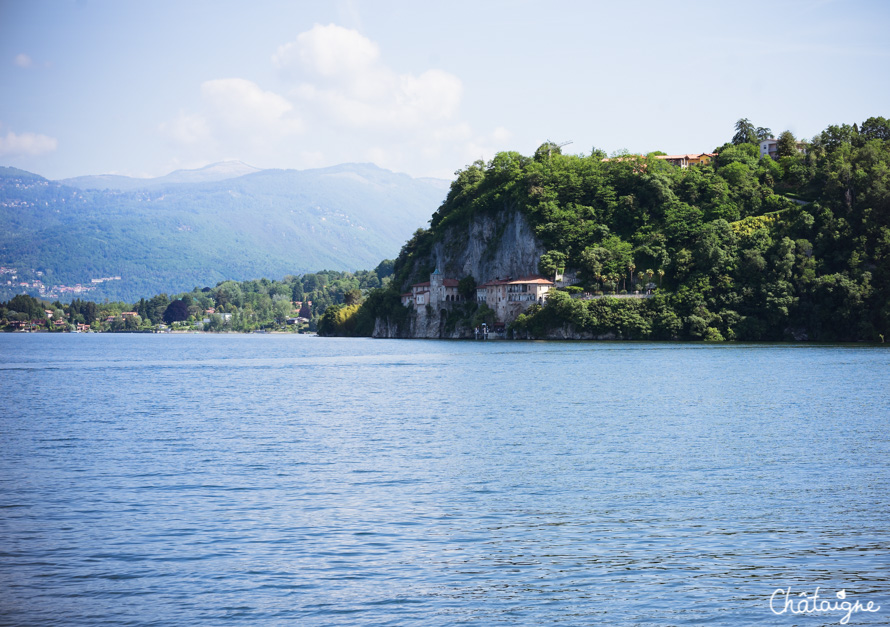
[(739, 248), (169, 235)]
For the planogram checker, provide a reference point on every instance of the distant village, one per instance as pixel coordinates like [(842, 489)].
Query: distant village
[(207, 319), (47, 291)]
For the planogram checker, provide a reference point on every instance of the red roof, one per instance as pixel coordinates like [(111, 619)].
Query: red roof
[(424, 284), (687, 156), (534, 278), (495, 282), (450, 282)]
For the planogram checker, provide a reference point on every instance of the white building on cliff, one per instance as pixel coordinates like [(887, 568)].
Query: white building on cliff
[(506, 297), (437, 291), (510, 297)]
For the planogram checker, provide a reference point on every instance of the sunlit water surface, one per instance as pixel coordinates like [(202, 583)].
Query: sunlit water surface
[(178, 480)]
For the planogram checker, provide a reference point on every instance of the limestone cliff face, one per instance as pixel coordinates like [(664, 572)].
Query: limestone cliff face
[(422, 324), (488, 247)]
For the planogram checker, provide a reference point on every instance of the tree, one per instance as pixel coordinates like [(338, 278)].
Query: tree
[(466, 287), (547, 149), (593, 262), (551, 262), (177, 311), (763, 133), (282, 308), (786, 144), (620, 254), (745, 132), (27, 305), (875, 128), (157, 306), (352, 297), (385, 268)]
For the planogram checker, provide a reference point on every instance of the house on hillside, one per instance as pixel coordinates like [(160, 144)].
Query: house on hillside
[(770, 146), (684, 161)]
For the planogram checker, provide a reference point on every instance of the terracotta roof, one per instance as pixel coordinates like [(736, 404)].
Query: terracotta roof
[(407, 294), (424, 284), (450, 282), (687, 156), (494, 283), (532, 279)]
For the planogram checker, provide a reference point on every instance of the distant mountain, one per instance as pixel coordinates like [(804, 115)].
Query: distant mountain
[(199, 227), (208, 174)]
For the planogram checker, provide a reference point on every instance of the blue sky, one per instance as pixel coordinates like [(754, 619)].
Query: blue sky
[(144, 88)]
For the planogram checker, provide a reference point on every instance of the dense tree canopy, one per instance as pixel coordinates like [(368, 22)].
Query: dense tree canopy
[(177, 311), (741, 248), (229, 306)]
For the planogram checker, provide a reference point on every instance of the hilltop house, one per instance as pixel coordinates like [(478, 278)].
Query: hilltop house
[(684, 161), (770, 146)]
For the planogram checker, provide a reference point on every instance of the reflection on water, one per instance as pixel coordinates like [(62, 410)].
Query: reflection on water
[(217, 479)]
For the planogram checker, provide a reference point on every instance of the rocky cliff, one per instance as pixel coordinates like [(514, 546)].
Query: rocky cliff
[(489, 246)]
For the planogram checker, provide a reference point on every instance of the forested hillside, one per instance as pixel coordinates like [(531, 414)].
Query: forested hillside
[(741, 248), (294, 303), (170, 234)]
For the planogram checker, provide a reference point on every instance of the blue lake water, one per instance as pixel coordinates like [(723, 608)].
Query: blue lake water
[(220, 479)]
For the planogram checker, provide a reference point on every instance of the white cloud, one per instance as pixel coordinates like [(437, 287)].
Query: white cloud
[(26, 144), (328, 51), (241, 105), (238, 120), (343, 103), (340, 75), (188, 129), (24, 61)]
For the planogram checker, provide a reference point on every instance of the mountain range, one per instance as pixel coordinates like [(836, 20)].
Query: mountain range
[(199, 227)]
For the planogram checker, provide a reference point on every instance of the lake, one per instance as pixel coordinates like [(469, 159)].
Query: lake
[(282, 479)]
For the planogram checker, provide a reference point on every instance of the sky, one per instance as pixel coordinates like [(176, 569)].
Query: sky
[(426, 88)]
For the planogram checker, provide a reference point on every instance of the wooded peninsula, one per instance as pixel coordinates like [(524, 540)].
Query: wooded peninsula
[(761, 239)]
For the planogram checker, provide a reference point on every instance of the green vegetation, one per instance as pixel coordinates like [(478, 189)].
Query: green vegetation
[(172, 236), (230, 306), (741, 248)]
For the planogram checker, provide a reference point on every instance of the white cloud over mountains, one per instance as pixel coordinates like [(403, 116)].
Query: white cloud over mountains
[(340, 102), (237, 116), (329, 51), (26, 144)]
